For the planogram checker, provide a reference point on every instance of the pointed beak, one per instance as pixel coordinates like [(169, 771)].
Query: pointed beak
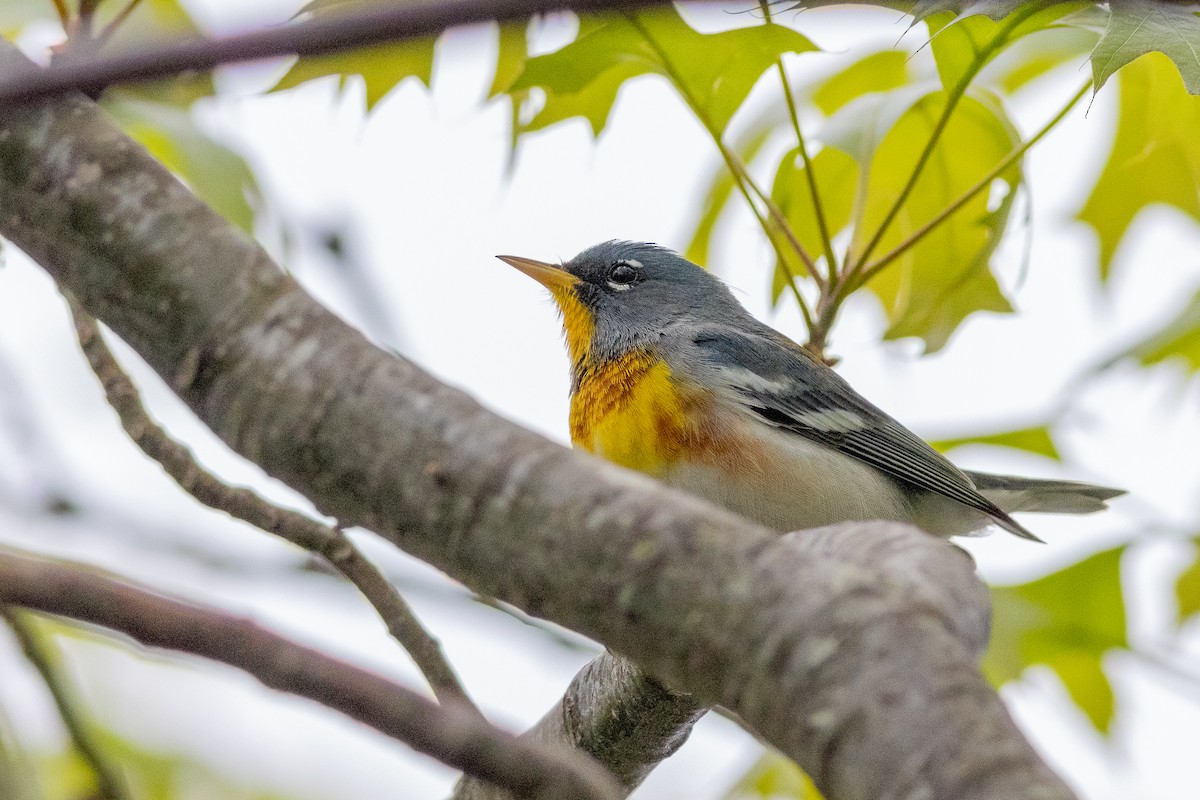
[(551, 276)]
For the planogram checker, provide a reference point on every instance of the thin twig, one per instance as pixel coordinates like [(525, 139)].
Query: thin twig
[(108, 783), (313, 37), (241, 503), (873, 269), (449, 732)]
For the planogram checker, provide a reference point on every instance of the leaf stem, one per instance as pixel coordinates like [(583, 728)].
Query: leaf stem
[(873, 269), (831, 263)]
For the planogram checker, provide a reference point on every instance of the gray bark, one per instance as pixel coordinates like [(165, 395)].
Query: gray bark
[(837, 657)]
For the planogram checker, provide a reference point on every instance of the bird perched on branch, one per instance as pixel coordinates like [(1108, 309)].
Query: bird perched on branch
[(672, 377)]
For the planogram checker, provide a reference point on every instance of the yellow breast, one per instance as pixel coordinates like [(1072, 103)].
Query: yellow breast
[(630, 411)]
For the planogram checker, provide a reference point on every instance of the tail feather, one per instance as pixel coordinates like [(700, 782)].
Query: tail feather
[(1037, 495)]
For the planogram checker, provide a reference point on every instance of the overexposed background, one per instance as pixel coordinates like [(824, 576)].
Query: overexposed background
[(420, 193)]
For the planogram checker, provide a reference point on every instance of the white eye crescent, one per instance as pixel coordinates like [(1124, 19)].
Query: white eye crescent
[(622, 275)]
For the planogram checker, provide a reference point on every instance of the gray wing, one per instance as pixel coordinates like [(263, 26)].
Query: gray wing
[(785, 387)]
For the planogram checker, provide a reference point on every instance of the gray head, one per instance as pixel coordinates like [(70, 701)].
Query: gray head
[(618, 295)]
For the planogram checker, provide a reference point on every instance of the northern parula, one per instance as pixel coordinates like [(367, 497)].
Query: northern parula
[(672, 377)]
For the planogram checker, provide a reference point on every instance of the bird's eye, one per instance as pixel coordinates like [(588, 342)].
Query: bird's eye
[(623, 274)]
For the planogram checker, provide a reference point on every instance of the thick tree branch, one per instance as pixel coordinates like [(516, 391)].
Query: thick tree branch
[(864, 680), (450, 733), (627, 721), (22, 83), (241, 503)]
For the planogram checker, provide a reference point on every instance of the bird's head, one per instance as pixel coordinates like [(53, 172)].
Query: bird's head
[(617, 295)]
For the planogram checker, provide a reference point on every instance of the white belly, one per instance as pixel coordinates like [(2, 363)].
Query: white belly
[(793, 484)]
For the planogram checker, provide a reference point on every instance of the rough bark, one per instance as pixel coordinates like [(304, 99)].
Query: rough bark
[(864, 680)]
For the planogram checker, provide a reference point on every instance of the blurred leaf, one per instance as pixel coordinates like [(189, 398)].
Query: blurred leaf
[(16, 14), (773, 777), (929, 290), (1033, 440), (1137, 27), (1178, 339), (965, 43), (1066, 621), (878, 72), (836, 178), (720, 189), (1155, 156), (1187, 590), (1036, 55), (381, 67), (215, 172), (714, 72), (512, 49)]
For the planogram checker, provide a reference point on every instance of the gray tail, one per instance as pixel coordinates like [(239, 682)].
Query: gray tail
[(1017, 495)]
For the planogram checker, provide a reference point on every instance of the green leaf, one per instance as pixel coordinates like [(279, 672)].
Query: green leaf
[(594, 102), (1155, 156), (773, 777), (1033, 440), (878, 72), (929, 290), (1137, 27), (1066, 621), (836, 178), (713, 72), (216, 173), (1187, 591), (381, 68)]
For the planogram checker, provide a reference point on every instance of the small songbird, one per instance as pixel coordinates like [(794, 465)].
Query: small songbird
[(672, 377)]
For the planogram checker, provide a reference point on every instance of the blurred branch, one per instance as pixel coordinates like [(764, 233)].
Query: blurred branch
[(244, 504), (108, 783), (22, 84), (451, 733)]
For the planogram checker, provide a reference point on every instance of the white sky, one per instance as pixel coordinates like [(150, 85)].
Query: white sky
[(421, 187)]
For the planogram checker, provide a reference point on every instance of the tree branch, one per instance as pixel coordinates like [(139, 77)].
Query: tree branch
[(329, 543), (615, 713), (627, 721), (450, 733), (865, 681), (22, 83)]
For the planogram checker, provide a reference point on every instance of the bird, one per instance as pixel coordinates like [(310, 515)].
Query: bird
[(672, 377)]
